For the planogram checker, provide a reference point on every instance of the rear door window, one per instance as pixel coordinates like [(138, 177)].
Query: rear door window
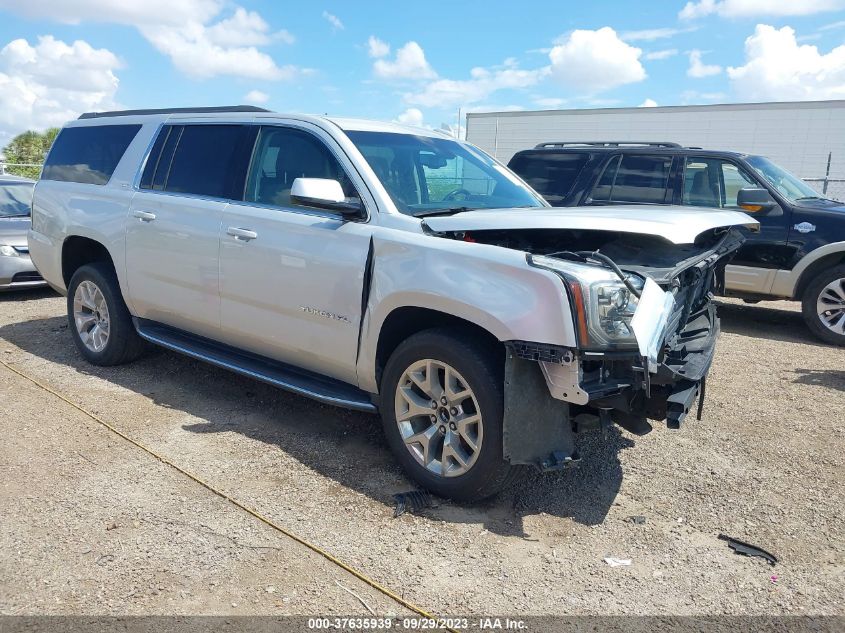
[(204, 161), (88, 154), (552, 174), (635, 178)]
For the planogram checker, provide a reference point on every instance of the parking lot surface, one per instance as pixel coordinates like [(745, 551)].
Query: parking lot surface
[(90, 524)]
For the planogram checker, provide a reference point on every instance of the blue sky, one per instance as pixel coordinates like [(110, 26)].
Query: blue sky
[(415, 62)]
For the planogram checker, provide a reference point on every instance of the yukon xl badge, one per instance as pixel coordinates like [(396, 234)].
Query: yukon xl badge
[(325, 314), (805, 227)]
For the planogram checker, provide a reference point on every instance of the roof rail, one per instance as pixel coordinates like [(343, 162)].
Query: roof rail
[(607, 144), (205, 110)]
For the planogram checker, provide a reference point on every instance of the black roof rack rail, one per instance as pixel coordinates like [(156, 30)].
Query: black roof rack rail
[(202, 110), (607, 144)]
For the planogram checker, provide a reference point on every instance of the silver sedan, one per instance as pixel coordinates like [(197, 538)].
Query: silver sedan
[(16, 268)]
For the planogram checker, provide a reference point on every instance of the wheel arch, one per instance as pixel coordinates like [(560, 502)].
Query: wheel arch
[(815, 267), (405, 321), (78, 250)]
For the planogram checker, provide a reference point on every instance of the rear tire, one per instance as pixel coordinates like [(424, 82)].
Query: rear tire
[(823, 305), (455, 457), (98, 318)]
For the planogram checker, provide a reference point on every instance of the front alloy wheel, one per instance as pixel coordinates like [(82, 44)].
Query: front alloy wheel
[(830, 306), (439, 418), (823, 305), (442, 409)]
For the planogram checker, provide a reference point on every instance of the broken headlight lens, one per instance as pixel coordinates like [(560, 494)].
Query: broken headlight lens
[(603, 305)]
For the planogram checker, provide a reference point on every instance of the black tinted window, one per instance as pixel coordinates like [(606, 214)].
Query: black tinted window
[(88, 154), (203, 162), (634, 178), (550, 173)]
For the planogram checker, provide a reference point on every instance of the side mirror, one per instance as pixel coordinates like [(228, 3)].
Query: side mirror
[(755, 200), (324, 193)]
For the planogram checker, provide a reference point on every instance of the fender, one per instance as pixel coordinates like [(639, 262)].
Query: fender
[(491, 286), (787, 281)]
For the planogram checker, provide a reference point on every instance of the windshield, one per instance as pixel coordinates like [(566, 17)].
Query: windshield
[(15, 198), (787, 185), (426, 176)]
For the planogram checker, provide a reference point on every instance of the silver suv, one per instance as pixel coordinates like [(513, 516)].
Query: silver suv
[(382, 268)]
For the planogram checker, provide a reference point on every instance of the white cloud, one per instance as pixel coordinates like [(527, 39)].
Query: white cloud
[(377, 48), (245, 28), (332, 19), (649, 35), (411, 116), (131, 12), (409, 63), (47, 84), (751, 8), (778, 68), (595, 61), (256, 97), (193, 50), (648, 103), (185, 31), (698, 68), (663, 54), (449, 93)]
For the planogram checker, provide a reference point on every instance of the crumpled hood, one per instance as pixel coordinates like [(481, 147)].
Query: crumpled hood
[(13, 231), (679, 225)]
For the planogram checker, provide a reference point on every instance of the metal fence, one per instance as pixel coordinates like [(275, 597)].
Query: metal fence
[(4, 167)]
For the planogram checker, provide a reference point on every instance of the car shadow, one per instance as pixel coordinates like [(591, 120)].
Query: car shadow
[(766, 322), (343, 445), (31, 294), (830, 378)]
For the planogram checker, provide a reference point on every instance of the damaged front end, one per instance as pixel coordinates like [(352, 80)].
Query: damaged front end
[(646, 327)]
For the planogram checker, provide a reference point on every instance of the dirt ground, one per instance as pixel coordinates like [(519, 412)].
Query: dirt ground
[(90, 524)]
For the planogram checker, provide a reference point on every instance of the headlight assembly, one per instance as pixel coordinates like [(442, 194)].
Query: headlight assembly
[(8, 251), (603, 304)]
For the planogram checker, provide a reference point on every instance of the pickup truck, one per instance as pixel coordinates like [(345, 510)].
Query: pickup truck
[(386, 269), (798, 253)]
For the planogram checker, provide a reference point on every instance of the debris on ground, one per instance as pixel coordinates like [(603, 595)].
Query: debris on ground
[(617, 562), (637, 519), (746, 549), (412, 501)]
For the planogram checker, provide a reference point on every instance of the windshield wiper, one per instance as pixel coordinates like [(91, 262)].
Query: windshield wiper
[(812, 198), (424, 213)]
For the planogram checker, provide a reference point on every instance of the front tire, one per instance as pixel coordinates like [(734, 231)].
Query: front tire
[(442, 409), (823, 305), (98, 318)]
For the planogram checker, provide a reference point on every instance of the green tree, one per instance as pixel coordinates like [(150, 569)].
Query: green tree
[(30, 148)]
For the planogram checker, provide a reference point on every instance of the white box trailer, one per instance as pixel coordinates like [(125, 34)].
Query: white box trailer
[(806, 138)]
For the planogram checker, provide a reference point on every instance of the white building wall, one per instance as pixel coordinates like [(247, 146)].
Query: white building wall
[(798, 136)]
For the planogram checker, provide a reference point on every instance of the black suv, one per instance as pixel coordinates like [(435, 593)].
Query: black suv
[(799, 252)]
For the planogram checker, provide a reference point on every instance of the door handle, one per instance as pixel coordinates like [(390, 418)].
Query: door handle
[(144, 216), (244, 235)]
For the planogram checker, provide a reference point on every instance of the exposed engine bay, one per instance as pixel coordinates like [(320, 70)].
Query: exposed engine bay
[(616, 382)]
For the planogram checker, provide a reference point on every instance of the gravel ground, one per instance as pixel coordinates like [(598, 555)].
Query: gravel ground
[(90, 524)]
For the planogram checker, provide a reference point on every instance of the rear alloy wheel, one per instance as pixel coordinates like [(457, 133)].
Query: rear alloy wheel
[(442, 409), (91, 316), (824, 305), (98, 318)]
